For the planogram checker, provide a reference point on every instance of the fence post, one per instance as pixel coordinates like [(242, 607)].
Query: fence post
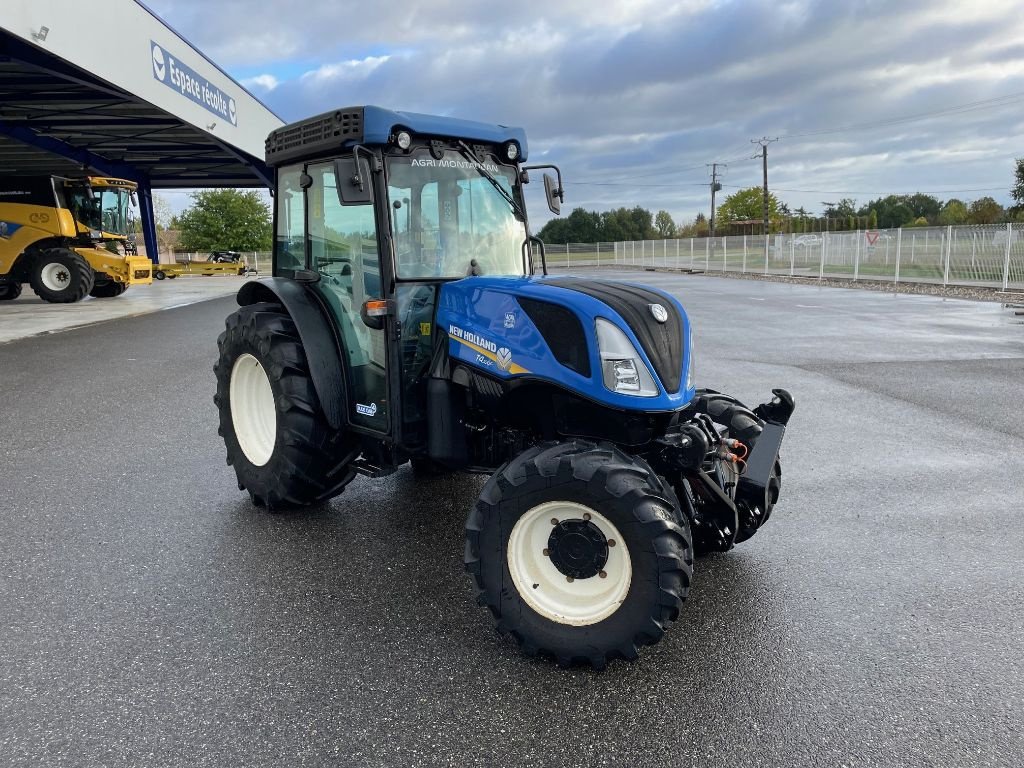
[(707, 254), (725, 254), (821, 264), (691, 253), (945, 268), (856, 258), (899, 248), (792, 255), (767, 240), (744, 252), (1006, 258)]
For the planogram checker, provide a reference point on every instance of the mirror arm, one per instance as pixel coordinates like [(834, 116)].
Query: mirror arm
[(558, 172), (375, 166), (543, 255)]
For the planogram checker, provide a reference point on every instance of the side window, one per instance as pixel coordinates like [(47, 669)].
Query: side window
[(289, 246), (343, 249)]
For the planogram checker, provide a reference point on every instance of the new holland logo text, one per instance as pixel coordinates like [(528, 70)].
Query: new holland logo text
[(472, 338)]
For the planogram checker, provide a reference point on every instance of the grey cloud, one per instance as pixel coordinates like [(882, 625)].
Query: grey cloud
[(697, 82)]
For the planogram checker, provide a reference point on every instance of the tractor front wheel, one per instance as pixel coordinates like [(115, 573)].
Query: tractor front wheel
[(580, 552), (61, 276), (284, 452)]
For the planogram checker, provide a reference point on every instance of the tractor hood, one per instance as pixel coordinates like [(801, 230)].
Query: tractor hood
[(545, 328)]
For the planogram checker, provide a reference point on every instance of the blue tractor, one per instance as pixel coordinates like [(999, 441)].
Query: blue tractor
[(405, 322)]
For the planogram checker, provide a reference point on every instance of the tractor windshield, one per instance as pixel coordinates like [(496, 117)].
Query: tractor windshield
[(100, 209), (447, 213)]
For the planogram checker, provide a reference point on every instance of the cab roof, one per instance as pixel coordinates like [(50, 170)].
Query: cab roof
[(369, 124)]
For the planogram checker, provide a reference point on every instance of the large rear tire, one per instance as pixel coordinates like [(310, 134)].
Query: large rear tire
[(580, 552), (61, 276), (9, 291), (284, 452)]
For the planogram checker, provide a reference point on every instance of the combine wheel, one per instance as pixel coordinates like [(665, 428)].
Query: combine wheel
[(278, 440), (61, 276), (580, 552), (108, 289), (159, 274), (9, 291)]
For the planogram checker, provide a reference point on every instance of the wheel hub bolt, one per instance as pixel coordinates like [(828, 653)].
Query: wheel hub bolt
[(547, 552), (611, 542), (586, 515), (554, 521), (602, 574), (570, 579)]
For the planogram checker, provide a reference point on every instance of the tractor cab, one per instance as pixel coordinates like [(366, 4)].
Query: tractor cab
[(404, 323), (375, 224)]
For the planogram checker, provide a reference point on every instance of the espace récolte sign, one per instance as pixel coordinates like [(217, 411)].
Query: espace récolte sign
[(190, 84)]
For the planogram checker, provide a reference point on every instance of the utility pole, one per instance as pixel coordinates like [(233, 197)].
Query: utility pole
[(715, 187), (764, 142)]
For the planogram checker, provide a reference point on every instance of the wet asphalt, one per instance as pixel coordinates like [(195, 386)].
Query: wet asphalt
[(149, 615)]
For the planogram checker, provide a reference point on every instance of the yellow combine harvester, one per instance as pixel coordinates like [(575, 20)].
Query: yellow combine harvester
[(53, 232)]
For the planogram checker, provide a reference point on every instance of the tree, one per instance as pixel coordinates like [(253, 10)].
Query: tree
[(924, 205), (1017, 193), (985, 210), (225, 219), (747, 204), (664, 224), (953, 212), (872, 219)]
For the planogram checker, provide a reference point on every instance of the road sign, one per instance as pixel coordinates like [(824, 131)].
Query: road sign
[(872, 236)]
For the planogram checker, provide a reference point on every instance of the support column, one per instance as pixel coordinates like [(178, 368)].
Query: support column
[(146, 212)]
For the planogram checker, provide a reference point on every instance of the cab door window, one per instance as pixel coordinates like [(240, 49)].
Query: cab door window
[(343, 249)]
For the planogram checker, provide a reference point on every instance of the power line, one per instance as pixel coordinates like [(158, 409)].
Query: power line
[(972, 106)]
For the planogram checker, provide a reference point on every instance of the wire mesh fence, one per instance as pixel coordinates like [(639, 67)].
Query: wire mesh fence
[(982, 255)]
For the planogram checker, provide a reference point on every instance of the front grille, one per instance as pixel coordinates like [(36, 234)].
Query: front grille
[(563, 332), (141, 274), (663, 342)]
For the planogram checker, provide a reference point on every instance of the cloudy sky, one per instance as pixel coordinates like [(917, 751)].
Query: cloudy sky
[(633, 97)]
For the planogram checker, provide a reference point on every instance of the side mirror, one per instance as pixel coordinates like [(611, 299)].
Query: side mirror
[(553, 193), (353, 182)]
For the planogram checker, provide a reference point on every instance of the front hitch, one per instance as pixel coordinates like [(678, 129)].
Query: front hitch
[(753, 491)]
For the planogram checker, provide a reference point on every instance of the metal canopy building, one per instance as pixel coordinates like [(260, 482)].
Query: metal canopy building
[(109, 87)]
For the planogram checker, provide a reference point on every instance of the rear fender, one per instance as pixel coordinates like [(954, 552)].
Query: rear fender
[(318, 340)]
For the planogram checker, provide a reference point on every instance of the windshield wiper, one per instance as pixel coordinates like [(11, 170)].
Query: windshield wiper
[(469, 154)]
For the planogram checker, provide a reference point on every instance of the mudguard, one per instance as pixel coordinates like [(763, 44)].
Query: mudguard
[(318, 340)]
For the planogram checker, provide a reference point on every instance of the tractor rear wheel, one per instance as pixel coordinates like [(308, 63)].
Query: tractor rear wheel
[(9, 291), (284, 452), (580, 552), (61, 276), (108, 289)]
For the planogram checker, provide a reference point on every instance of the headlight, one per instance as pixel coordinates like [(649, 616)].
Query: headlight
[(403, 140), (689, 359), (622, 367), (511, 150)]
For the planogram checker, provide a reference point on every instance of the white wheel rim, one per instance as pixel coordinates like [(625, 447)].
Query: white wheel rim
[(55, 276), (253, 411), (546, 589)]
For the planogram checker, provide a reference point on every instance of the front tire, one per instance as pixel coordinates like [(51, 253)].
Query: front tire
[(61, 276), (580, 552), (9, 291), (108, 290), (284, 452)]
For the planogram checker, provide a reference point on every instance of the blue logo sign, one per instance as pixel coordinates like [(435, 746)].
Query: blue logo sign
[(190, 84)]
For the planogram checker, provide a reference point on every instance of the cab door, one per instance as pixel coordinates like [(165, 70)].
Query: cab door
[(343, 248)]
